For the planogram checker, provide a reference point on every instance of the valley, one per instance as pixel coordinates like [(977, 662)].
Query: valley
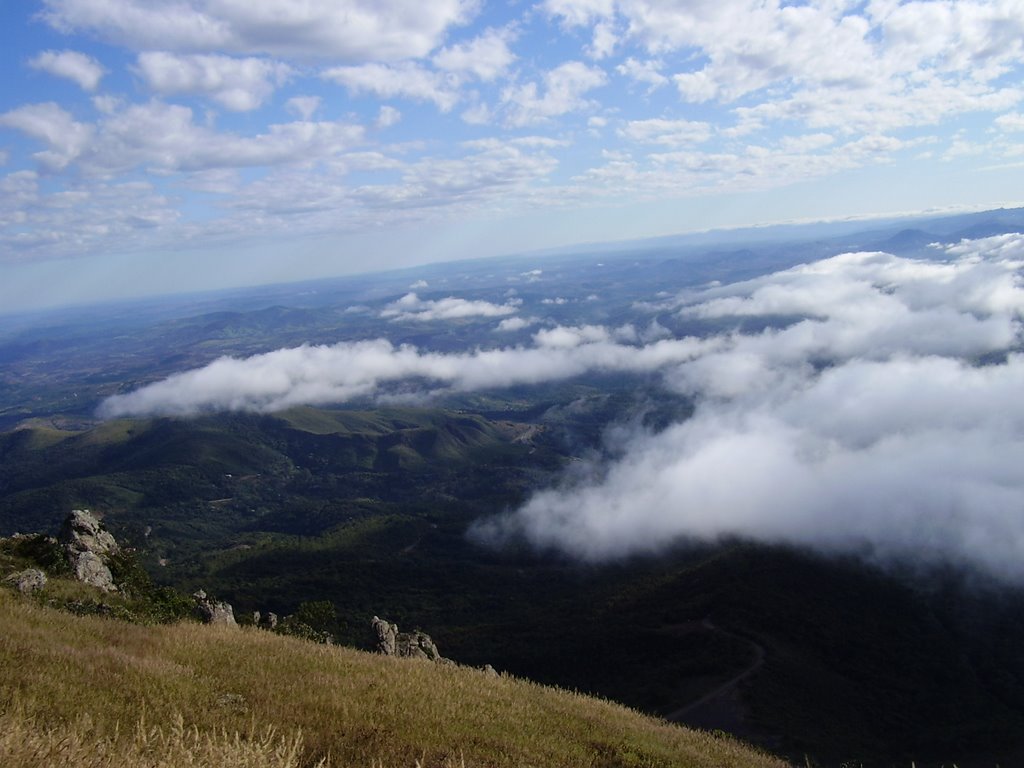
[(406, 499)]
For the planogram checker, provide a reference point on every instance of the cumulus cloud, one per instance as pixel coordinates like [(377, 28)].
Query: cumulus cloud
[(388, 116), (671, 133), (406, 79), (166, 137), (356, 30), (35, 217), (50, 124), (1011, 121), (511, 324), (485, 57), (236, 84), (887, 66), (648, 72), (72, 65), (564, 89), (879, 413), (304, 106), (342, 372), (412, 307)]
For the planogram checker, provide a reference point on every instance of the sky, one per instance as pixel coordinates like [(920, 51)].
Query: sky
[(162, 145)]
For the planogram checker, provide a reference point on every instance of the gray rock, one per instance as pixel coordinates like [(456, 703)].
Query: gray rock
[(268, 620), (409, 645), (82, 532), (28, 581), (488, 670), (416, 645), (386, 634), (87, 546), (214, 611), (90, 569)]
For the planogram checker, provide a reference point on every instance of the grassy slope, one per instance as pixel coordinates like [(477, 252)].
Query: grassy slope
[(859, 665), (91, 678)]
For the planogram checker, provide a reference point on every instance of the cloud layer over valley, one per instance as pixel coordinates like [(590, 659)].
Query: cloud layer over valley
[(875, 407)]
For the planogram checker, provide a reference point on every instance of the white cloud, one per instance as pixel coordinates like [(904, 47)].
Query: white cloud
[(486, 57), (673, 133), (73, 221), (604, 42), (342, 372), (355, 30), (388, 116), (1011, 121), (579, 12), (406, 80), (72, 65), (304, 106), (648, 72), (867, 426), (165, 137), (412, 307), (563, 91), (493, 170), (237, 84), (912, 64), (532, 275), (563, 337), (478, 114), (511, 324), (689, 171), (48, 123)]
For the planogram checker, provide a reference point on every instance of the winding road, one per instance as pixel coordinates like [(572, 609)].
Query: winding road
[(729, 685)]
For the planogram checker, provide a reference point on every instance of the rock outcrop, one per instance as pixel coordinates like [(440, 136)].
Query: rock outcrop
[(410, 645), (266, 620), (28, 581), (214, 611), (88, 546)]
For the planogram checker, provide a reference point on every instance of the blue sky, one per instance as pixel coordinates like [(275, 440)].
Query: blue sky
[(159, 146)]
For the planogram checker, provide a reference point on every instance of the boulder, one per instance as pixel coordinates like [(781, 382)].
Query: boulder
[(409, 645), (28, 581), (386, 635), (87, 546), (83, 532), (214, 611), (90, 569)]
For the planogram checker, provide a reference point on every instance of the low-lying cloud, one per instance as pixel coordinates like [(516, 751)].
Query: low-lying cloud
[(877, 408), (318, 375), (888, 421), (412, 307)]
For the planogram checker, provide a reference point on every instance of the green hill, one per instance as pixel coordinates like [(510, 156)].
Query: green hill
[(89, 691), (367, 512)]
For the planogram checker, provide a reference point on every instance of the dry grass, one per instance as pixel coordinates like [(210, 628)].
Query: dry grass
[(88, 681), (24, 743)]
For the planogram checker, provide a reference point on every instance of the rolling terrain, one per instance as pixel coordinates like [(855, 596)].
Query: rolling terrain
[(89, 691), (372, 506), (368, 512)]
